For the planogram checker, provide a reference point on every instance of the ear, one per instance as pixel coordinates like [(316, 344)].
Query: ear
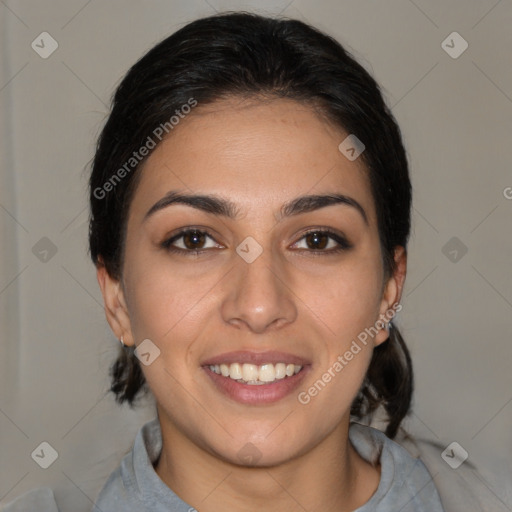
[(115, 305), (392, 293)]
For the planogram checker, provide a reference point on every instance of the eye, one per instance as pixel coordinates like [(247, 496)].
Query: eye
[(195, 241), (190, 240), (323, 241)]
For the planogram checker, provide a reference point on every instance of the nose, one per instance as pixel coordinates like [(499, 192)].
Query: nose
[(259, 296)]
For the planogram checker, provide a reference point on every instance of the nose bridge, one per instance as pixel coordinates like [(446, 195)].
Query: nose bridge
[(261, 276), (258, 295)]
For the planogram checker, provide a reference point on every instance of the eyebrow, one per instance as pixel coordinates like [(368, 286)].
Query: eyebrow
[(226, 208)]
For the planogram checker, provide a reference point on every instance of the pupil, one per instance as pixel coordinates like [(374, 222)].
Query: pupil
[(317, 240), (193, 238)]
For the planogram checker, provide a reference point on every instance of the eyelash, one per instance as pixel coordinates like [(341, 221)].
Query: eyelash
[(343, 244)]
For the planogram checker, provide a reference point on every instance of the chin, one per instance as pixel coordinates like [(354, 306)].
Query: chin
[(250, 452)]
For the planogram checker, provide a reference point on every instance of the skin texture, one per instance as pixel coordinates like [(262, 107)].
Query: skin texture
[(294, 298)]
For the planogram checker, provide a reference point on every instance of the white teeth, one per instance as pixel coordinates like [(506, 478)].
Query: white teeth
[(280, 371), (267, 373), (235, 371), (249, 372), (256, 375)]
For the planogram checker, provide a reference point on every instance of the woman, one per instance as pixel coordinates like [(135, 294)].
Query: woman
[(250, 210)]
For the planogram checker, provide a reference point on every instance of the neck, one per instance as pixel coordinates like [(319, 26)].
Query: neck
[(329, 477)]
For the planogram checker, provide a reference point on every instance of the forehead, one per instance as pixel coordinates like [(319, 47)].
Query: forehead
[(258, 153)]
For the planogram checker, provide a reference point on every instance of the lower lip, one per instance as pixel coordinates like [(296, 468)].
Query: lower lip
[(257, 393)]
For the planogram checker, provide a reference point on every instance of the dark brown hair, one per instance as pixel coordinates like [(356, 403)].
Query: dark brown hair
[(241, 54)]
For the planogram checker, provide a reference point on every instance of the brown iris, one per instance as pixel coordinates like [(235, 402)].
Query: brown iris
[(320, 240), (192, 239)]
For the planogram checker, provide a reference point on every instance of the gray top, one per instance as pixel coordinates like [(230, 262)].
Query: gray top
[(405, 484)]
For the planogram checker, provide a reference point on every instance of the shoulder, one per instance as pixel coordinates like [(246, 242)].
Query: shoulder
[(461, 488), (40, 499), (405, 483), (122, 490), (135, 486), (115, 495), (415, 461)]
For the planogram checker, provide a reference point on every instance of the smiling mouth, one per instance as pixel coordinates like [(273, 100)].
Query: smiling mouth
[(256, 375)]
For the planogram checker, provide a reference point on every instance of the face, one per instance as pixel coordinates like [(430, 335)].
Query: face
[(268, 287)]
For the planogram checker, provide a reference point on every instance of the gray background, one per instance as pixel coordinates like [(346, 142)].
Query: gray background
[(456, 117)]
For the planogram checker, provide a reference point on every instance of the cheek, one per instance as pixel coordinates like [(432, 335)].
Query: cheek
[(166, 309), (346, 300), (165, 305)]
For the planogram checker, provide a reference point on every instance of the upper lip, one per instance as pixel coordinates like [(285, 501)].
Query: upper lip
[(256, 358)]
